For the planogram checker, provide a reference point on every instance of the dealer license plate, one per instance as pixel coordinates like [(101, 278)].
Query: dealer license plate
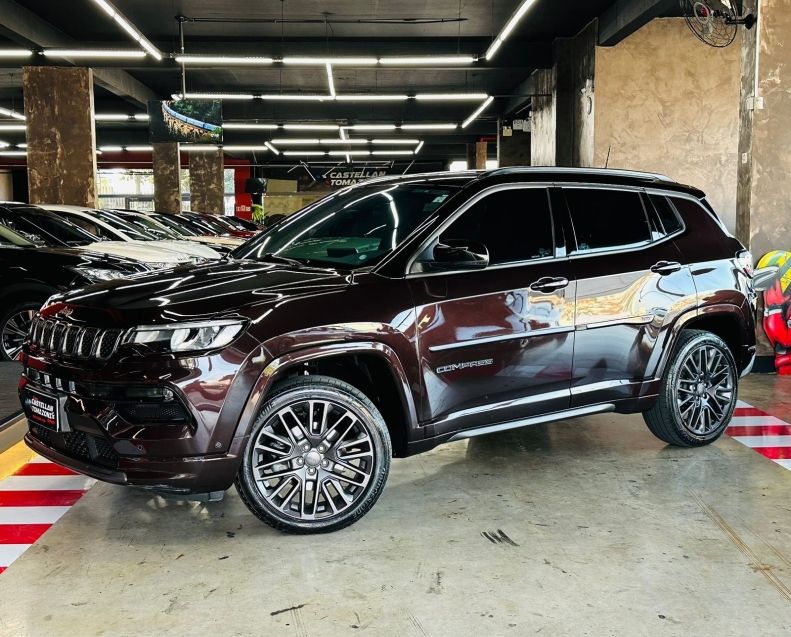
[(43, 409)]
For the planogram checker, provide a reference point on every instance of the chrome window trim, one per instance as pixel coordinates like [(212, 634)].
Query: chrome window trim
[(464, 208), (485, 340)]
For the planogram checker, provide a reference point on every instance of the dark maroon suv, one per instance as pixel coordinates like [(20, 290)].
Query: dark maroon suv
[(391, 317)]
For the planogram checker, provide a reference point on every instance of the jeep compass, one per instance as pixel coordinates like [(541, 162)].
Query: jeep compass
[(388, 318)]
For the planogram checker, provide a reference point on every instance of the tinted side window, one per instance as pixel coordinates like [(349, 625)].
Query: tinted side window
[(667, 214), (607, 218), (514, 224)]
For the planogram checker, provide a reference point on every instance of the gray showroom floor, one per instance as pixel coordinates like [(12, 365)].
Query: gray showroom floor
[(591, 527)]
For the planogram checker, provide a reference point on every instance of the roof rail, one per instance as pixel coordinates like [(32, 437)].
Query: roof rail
[(512, 170)]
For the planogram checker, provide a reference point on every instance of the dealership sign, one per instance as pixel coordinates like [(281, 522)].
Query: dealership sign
[(346, 176)]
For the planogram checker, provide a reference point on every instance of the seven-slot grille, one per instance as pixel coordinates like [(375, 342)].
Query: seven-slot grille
[(60, 338)]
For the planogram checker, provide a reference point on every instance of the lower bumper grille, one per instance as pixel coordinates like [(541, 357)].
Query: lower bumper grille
[(78, 444)]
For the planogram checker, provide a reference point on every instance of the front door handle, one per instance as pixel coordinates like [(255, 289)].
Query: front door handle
[(549, 284), (666, 267)]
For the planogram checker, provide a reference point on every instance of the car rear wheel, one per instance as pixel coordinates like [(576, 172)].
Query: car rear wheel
[(318, 456), (14, 326), (698, 393)]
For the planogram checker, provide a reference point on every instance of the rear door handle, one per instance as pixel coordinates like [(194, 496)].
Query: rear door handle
[(666, 267), (549, 284)]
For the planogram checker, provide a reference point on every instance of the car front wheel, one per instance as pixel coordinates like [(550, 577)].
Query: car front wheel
[(317, 458), (698, 393), (14, 325)]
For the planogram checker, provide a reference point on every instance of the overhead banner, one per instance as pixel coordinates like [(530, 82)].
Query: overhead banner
[(185, 121)]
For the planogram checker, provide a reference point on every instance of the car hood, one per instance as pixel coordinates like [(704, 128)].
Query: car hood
[(220, 241), (189, 248), (140, 251), (224, 288)]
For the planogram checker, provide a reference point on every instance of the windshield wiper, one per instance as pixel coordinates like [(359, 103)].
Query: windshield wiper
[(276, 258)]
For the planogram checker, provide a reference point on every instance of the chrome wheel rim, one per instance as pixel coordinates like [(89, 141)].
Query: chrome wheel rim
[(312, 460), (15, 332), (705, 390)]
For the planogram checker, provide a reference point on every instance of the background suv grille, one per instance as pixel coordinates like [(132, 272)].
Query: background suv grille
[(60, 338)]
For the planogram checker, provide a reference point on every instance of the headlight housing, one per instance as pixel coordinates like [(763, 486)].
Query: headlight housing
[(186, 337), (99, 274)]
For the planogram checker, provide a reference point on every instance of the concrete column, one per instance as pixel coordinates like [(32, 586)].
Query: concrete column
[(513, 149), (61, 137), (207, 186), (167, 177), (764, 190), (481, 154)]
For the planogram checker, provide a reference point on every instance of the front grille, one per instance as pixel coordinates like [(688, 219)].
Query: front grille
[(79, 445), (60, 338)]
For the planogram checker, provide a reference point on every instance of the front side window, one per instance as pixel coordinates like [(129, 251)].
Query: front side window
[(351, 229), (514, 224), (605, 219)]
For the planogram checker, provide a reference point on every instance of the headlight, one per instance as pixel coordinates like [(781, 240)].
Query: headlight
[(186, 337), (155, 266), (99, 274)]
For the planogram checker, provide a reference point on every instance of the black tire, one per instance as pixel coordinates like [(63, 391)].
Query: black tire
[(287, 436), (8, 326), (667, 419)]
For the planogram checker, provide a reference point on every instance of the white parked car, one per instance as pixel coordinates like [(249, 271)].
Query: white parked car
[(113, 226)]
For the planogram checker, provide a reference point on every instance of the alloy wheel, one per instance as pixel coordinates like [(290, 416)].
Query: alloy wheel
[(705, 390), (15, 332), (312, 459)]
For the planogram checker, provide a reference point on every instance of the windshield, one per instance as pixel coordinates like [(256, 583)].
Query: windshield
[(44, 227), (173, 224), (212, 226), (115, 221), (10, 238), (149, 226), (354, 228)]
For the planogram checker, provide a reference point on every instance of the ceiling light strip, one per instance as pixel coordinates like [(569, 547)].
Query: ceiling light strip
[(515, 18), (444, 97), (15, 53), (192, 60), (127, 26), (93, 53), (10, 113), (477, 112), (271, 147), (330, 81)]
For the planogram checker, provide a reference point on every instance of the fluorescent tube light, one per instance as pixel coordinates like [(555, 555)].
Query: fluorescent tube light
[(370, 97), (298, 98), (15, 53), (393, 152), (21, 145), (314, 127), (13, 153), (509, 26), (5, 145), (243, 126), (349, 153), (477, 112), (427, 59), (419, 147), (92, 53), (111, 149), (12, 127), (339, 141), (253, 149), (272, 148), (396, 141), (371, 127), (134, 33), (335, 61), (330, 80), (223, 59), (443, 97), (303, 153), (429, 126), (141, 117), (9, 113), (137, 149)]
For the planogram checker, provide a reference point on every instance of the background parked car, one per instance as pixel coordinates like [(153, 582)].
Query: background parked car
[(192, 231), (125, 226), (30, 274), (223, 222), (47, 228)]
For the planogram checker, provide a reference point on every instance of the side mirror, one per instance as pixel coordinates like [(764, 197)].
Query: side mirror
[(459, 254)]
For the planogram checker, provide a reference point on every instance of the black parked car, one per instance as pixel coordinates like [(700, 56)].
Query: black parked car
[(43, 227), (30, 274)]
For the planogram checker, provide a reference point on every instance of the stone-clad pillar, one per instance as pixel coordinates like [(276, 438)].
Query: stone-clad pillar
[(207, 187), (167, 180), (61, 137), (481, 153)]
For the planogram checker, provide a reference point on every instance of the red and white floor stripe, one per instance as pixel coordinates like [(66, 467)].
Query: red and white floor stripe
[(769, 436), (38, 494), (32, 500)]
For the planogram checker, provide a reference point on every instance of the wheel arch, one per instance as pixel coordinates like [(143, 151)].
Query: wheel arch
[(372, 367)]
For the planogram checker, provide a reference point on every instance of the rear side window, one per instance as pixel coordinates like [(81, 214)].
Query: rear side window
[(514, 224), (607, 218), (667, 214)]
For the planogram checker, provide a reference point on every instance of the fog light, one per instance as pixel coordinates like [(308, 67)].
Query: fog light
[(167, 394)]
